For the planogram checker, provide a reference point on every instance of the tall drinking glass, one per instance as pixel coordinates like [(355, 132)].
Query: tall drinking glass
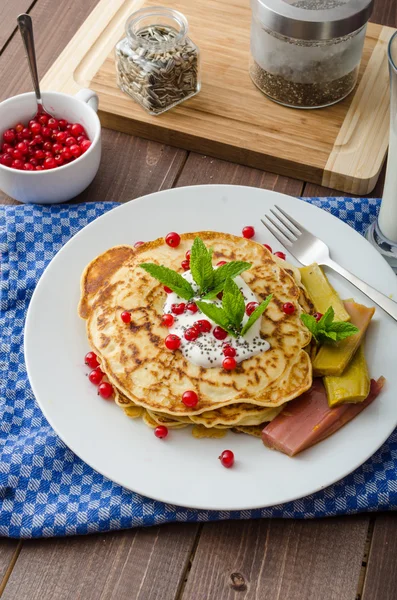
[(383, 233)]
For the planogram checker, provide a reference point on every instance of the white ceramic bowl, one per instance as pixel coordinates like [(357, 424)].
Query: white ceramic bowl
[(62, 183)]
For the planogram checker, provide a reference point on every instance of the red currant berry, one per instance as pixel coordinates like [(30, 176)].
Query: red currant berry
[(52, 123), (66, 154), (185, 264), (27, 134), (35, 127), (220, 263), (77, 129), (251, 306), (56, 148), (5, 148), (85, 145), (173, 239), (43, 119), (19, 127), (219, 333), (9, 136), (105, 390), (46, 132), (192, 306), (28, 167), (22, 147), (75, 150), (280, 255), (62, 123), (288, 308), (33, 162), (178, 309), (248, 232), (16, 153), (167, 290), (68, 127), (61, 137), (268, 248), (229, 352), (70, 141), (137, 244), (126, 316), (167, 320), (47, 146), (229, 363), (39, 154), (203, 326), (317, 316), (188, 253), (91, 360), (37, 140), (59, 160), (6, 160), (172, 342), (19, 137), (161, 432), (39, 168), (96, 376), (191, 334), (49, 163), (227, 458), (17, 164), (190, 399)]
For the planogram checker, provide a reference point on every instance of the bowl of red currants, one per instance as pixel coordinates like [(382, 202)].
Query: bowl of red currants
[(49, 158)]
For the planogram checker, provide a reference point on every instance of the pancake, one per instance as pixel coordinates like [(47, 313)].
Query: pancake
[(135, 358)]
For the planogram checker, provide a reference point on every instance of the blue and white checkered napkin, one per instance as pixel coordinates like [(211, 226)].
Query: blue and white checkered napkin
[(45, 490)]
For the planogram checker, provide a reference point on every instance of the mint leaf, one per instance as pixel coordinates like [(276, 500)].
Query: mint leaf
[(216, 314), (326, 329), (171, 279), (258, 312), (233, 303), (230, 270), (201, 265), (326, 319), (310, 323)]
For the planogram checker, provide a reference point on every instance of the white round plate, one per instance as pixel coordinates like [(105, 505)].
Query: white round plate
[(181, 469)]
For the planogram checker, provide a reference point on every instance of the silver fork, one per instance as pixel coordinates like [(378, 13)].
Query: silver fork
[(309, 249)]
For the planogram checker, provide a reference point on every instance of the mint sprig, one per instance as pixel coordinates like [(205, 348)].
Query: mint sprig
[(230, 270), (171, 279), (328, 330), (258, 312), (201, 265), (230, 315)]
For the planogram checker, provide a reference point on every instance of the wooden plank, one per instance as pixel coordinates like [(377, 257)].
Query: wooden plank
[(142, 563), (253, 131), (201, 169), (274, 559), (9, 552), (381, 576), (8, 18)]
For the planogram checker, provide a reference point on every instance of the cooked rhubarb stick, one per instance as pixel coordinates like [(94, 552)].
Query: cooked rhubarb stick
[(308, 419), (332, 359)]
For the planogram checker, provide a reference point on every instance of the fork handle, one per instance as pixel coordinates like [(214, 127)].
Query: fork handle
[(383, 301)]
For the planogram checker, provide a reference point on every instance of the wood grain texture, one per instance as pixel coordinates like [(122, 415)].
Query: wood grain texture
[(201, 169), (141, 563), (381, 576), (8, 18), (273, 560), (255, 131)]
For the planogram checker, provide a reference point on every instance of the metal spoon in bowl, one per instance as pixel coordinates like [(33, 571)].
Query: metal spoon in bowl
[(26, 30)]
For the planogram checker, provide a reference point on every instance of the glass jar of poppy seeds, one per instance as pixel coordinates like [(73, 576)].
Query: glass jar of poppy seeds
[(157, 63), (307, 53)]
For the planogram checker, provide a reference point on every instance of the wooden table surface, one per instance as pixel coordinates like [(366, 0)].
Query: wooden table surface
[(346, 558)]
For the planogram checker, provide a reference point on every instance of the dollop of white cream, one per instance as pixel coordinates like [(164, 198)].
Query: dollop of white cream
[(206, 351)]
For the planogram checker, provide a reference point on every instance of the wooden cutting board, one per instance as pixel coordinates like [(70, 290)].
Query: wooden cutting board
[(341, 147)]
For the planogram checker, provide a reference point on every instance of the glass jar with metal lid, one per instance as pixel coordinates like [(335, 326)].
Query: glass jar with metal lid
[(307, 53), (157, 63)]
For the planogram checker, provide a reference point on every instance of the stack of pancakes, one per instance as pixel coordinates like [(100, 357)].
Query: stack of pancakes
[(149, 380)]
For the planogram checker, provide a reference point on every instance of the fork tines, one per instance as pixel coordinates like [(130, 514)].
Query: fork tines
[(285, 225)]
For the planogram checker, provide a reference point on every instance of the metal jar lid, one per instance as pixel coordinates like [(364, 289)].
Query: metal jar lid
[(313, 19)]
